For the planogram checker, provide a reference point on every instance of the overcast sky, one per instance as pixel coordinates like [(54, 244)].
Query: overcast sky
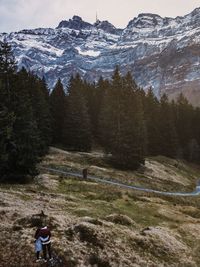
[(21, 14)]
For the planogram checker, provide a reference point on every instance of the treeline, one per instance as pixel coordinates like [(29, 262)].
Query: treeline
[(25, 122), (127, 122), (116, 115)]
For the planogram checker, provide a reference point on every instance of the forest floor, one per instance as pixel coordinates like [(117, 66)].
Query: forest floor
[(102, 225)]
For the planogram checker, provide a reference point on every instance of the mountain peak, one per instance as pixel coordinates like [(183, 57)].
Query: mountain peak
[(151, 15), (76, 18), (196, 11), (76, 23), (146, 20), (106, 26)]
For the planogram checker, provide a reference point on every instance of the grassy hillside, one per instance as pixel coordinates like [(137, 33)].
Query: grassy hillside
[(101, 225)]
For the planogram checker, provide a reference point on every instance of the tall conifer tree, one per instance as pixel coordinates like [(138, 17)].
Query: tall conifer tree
[(7, 117), (151, 112), (122, 122), (19, 137), (57, 106), (77, 129), (41, 110), (100, 90), (184, 124), (25, 130), (167, 131)]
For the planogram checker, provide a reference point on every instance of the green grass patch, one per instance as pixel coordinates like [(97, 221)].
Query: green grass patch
[(142, 213), (25, 197)]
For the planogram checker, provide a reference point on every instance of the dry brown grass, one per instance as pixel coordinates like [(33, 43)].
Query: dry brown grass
[(144, 229)]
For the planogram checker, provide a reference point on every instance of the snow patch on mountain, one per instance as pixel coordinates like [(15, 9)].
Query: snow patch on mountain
[(90, 53), (46, 48), (160, 52)]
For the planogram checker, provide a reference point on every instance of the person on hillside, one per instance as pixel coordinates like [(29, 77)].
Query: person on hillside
[(85, 171), (38, 245), (44, 235)]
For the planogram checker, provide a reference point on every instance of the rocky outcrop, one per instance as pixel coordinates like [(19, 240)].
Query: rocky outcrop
[(75, 23)]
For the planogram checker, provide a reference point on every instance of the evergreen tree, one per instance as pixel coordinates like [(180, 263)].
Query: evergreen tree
[(6, 131), (77, 131), (22, 119), (57, 106), (45, 116), (184, 126), (110, 122), (100, 90), (18, 128), (7, 68), (122, 122), (167, 132), (193, 151), (7, 117), (151, 111), (25, 130), (196, 130), (88, 92), (134, 128), (41, 109), (44, 89)]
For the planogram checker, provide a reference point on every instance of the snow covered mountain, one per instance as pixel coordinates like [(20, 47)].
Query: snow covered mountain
[(160, 52)]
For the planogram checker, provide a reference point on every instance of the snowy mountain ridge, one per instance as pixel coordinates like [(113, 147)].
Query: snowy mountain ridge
[(162, 53)]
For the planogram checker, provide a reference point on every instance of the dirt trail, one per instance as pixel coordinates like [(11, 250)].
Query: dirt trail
[(196, 192)]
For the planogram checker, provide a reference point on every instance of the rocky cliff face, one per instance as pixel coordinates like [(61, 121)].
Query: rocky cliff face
[(162, 53)]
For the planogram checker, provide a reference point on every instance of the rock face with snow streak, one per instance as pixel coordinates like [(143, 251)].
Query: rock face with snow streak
[(162, 53)]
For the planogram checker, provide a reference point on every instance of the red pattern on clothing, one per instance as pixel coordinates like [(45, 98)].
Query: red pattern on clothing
[(43, 232)]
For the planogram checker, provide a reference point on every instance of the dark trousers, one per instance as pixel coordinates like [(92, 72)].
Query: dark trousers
[(46, 248), (37, 255)]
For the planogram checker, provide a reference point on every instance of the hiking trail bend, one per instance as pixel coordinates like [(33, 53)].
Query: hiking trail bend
[(196, 192)]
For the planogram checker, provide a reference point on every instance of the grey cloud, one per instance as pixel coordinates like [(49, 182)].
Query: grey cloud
[(20, 14)]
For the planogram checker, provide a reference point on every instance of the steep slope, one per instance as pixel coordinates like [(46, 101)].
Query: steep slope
[(160, 52)]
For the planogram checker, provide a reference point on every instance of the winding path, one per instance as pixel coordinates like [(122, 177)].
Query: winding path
[(196, 192)]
